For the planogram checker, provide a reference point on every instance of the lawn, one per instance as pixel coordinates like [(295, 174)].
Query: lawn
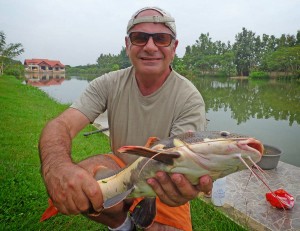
[(24, 110)]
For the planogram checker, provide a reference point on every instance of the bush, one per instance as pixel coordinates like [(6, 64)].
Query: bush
[(15, 70), (259, 74)]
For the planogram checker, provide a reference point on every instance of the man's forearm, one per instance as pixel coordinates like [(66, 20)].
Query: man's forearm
[(54, 145)]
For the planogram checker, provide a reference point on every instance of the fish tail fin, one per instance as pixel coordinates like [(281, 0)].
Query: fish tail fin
[(144, 212), (50, 211)]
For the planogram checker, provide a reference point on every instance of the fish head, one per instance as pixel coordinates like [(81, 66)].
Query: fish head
[(219, 153), (246, 147)]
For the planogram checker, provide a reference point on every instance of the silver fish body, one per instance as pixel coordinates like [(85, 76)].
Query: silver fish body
[(193, 154)]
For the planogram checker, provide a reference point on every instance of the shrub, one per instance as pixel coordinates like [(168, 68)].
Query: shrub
[(259, 74)]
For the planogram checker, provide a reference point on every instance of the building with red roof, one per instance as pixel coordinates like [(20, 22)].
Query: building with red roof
[(43, 65)]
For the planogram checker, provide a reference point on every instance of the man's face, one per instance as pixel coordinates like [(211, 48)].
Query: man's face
[(151, 59)]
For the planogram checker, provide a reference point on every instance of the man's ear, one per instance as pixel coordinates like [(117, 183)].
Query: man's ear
[(127, 44), (175, 44)]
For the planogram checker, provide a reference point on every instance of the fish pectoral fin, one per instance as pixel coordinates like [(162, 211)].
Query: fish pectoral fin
[(166, 158), (160, 155), (117, 199), (144, 212)]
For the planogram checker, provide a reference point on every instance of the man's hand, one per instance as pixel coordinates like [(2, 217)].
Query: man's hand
[(73, 189), (176, 190)]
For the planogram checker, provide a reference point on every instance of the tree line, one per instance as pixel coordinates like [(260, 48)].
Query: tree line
[(104, 63), (250, 54)]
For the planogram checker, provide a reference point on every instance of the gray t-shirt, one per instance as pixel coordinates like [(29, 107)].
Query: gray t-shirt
[(176, 107)]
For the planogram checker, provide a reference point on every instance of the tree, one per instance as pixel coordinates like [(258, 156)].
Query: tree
[(247, 52), (123, 59), (227, 63), (285, 59), (8, 52), (298, 37), (207, 57)]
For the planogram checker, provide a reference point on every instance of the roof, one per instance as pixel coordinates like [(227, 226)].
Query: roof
[(51, 63)]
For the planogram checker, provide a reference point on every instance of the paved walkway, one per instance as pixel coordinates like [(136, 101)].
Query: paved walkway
[(245, 200)]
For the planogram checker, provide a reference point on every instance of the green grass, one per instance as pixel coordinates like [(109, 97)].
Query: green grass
[(24, 110)]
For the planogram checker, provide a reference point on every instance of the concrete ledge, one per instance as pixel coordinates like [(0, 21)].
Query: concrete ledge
[(245, 201)]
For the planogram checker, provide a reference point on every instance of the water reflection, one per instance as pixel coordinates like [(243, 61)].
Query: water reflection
[(267, 109), (39, 79), (59, 87), (261, 99)]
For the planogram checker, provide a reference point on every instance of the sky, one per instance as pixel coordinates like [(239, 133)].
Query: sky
[(76, 32)]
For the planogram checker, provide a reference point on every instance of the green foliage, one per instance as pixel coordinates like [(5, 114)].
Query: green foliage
[(246, 52), (14, 68), (259, 74), (8, 52), (105, 63), (208, 58), (285, 59)]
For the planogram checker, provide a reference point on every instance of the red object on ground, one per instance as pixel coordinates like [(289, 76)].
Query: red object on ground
[(49, 212), (280, 199)]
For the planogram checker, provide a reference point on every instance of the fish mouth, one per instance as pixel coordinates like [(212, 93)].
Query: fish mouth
[(251, 144)]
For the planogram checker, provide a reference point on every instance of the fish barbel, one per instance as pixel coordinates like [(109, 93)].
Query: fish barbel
[(193, 154)]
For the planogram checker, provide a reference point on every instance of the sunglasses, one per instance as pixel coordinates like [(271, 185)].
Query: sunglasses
[(159, 39)]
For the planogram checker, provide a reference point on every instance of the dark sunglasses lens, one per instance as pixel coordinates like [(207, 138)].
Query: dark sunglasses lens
[(138, 38), (141, 39), (162, 40)]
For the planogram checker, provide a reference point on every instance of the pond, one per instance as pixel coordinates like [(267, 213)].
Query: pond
[(266, 109)]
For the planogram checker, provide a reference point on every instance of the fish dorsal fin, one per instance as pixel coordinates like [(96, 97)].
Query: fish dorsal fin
[(144, 212), (117, 199), (159, 155), (151, 141)]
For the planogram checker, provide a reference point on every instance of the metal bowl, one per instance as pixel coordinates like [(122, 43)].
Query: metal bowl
[(270, 157)]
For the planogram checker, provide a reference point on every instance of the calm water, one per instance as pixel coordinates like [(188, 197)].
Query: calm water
[(268, 109)]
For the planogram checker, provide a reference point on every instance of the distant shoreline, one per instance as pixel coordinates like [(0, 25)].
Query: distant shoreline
[(239, 77)]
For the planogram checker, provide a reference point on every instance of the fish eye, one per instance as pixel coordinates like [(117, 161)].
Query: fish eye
[(224, 133)]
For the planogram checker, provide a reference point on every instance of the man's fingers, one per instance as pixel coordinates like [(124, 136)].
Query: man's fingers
[(205, 184), (166, 190), (177, 189), (93, 192), (186, 189)]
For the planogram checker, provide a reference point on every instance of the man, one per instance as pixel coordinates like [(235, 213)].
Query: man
[(147, 99)]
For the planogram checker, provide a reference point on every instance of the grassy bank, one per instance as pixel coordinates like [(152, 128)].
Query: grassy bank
[(24, 110)]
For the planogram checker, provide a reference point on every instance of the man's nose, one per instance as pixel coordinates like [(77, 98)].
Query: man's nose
[(150, 45)]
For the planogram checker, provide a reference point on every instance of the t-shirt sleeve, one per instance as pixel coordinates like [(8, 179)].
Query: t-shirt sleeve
[(93, 101), (192, 115)]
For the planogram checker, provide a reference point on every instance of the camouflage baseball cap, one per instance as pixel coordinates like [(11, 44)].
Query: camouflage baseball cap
[(165, 18)]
